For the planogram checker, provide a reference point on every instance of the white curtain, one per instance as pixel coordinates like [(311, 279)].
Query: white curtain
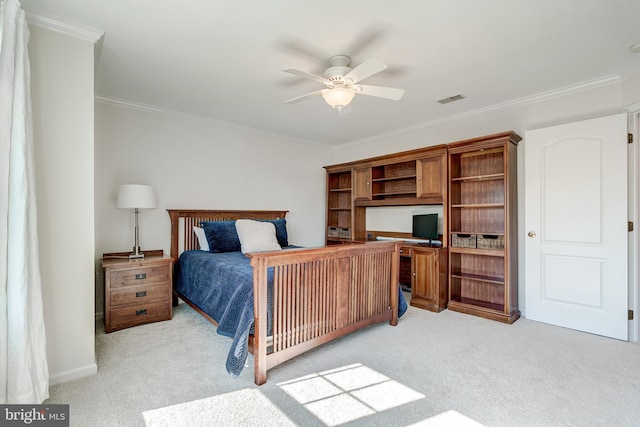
[(24, 374)]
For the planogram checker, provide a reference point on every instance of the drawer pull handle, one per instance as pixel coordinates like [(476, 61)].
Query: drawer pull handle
[(141, 312), (141, 294), (141, 276)]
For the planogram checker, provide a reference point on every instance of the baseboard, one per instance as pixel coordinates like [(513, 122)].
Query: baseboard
[(73, 374)]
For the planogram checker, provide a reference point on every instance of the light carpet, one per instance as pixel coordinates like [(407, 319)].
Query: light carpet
[(430, 370)]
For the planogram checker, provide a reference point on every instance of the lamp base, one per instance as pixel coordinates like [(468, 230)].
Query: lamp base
[(137, 253)]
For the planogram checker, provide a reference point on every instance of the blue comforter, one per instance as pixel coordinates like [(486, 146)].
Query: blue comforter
[(221, 285)]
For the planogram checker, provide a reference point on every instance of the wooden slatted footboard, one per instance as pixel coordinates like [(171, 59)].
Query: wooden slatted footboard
[(319, 295)]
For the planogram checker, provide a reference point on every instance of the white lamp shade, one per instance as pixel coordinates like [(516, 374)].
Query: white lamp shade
[(134, 196), (338, 97)]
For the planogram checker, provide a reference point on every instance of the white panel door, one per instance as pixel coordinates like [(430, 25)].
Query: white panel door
[(576, 226)]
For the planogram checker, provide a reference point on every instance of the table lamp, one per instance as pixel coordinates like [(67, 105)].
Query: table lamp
[(136, 197)]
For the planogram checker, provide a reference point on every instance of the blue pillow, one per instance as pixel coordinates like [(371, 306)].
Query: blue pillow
[(221, 235), (281, 231)]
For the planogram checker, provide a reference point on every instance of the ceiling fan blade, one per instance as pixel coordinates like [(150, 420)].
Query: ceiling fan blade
[(298, 47), (306, 75), (305, 96), (381, 92), (367, 69), (365, 40)]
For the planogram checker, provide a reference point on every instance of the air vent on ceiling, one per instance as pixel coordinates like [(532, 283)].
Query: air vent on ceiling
[(451, 99)]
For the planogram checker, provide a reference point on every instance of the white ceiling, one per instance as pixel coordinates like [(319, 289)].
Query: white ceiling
[(223, 60)]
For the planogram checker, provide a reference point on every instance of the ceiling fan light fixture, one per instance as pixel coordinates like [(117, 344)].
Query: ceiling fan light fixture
[(338, 97), (342, 82)]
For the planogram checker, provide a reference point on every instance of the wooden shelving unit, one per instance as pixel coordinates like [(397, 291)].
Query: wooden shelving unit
[(395, 180), (339, 207), (482, 196), (475, 180), (416, 177)]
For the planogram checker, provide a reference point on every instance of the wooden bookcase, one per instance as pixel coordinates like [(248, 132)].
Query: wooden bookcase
[(345, 222), (475, 180), (483, 227), (416, 177)]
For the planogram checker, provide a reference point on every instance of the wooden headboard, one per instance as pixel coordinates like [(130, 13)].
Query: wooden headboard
[(183, 220)]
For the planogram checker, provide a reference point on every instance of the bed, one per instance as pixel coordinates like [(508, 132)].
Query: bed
[(282, 303)]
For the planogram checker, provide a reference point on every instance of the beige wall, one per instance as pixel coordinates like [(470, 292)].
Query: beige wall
[(193, 163), (62, 97)]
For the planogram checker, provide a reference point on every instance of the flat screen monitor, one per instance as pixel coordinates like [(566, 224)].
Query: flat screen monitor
[(425, 226)]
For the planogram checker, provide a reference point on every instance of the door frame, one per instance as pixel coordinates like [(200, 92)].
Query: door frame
[(633, 127)]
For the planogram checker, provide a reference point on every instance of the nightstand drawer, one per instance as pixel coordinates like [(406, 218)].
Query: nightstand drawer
[(140, 275), (140, 294), (123, 317)]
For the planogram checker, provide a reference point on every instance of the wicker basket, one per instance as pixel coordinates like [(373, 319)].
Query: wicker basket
[(333, 232), (490, 241), (344, 233), (463, 240)]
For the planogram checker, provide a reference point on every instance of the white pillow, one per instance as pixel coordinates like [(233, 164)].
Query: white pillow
[(202, 238), (257, 236)]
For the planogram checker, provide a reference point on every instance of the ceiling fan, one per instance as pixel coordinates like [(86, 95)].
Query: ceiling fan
[(341, 82)]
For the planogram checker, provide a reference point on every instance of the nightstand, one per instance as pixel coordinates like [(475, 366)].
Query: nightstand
[(136, 291)]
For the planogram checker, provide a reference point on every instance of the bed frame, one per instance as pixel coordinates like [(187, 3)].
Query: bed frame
[(319, 294)]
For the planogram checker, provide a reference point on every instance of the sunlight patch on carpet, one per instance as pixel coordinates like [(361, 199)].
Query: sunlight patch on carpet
[(345, 394), (243, 407), (446, 419)]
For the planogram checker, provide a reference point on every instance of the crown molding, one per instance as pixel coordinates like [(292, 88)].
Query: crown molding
[(88, 34), (633, 108), (527, 100), (153, 109)]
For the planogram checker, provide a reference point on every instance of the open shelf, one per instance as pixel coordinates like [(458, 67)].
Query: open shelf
[(476, 251), (394, 178), (393, 193), (454, 231), (479, 205), (474, 303), (488, 177), (479, 278), (334, 240)]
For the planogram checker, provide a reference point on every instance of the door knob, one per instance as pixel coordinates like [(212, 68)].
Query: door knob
[(531, 234)]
